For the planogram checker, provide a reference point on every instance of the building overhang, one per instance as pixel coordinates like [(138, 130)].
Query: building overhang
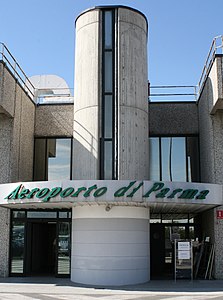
[(160, 197)]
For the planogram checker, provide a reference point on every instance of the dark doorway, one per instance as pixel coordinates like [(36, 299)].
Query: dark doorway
[(162, 236), (157, 250), (43, 248)]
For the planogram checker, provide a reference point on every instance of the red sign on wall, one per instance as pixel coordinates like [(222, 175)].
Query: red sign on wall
[(219, 214)]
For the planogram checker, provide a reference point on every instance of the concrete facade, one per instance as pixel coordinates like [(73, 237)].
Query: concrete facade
[(87, 93), (171, 118), (111, 236), (132, 95), (211, 151), (16, 145)]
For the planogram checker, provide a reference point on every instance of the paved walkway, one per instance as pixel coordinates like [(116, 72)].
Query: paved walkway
[(63, 289)]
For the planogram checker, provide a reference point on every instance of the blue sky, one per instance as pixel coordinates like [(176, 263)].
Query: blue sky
[(41, 35)]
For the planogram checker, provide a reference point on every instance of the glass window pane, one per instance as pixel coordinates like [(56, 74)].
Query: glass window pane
[(165, 154), (19, 214), (155, 218), (108, 29), (191, 233), (173, 159), (42, 214), (108, 116), (40, 159), (64, 214), (59, 159), (154, 159), (17, 247), (180, 218), (193, 159), (168, 247), (64, 248), (108, 160), (178, 159), (108, 72)]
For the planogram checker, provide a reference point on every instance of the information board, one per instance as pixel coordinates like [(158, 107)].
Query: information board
[(183, 254)]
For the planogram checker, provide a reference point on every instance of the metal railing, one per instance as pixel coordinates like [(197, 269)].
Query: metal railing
[(216, 48), (14, 67), (54, 95), (172, 93)]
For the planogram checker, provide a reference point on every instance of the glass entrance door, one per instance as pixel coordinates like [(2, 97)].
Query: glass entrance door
[(63, 253), (162, 236), (40, 243), (172, 233)]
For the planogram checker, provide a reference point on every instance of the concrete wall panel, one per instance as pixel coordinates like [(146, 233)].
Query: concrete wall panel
[(173, 118), (86, 97), (54, 120), (4, 241), (133, 144), (211, 151), (6, 124), (7, 90), (132, 96)]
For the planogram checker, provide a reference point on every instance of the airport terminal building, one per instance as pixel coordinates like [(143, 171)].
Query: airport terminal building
[(95, 186)]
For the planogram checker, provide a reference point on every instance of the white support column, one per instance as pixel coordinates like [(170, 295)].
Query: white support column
[(110, 247)]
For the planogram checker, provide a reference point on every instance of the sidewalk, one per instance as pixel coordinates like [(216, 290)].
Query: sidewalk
[(60, 288)]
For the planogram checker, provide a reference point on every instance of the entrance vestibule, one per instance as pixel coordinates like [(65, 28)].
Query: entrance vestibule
[(163, 232), (40, 243)]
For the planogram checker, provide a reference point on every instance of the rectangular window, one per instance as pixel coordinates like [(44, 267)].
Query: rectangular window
[(174, 159), (108, 29), (107, 140), (59, 158), (178, 159), (108, 117), (165, 155), (108, 72), (52, 159), (17, 246), (108, 160), (154, 159)]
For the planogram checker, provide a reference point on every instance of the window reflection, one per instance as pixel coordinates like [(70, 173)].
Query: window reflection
[(108, 160), (59, 159), (64, 248), (108, 72), (174, 159), (108, 29), (108, 116), (17, 247), (52, 159), (154, 159)]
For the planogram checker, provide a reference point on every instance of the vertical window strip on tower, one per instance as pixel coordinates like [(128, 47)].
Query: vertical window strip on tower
[(107, 132)]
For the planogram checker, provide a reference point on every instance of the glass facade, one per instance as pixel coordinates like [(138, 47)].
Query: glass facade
[(40, 242), (53, 159), (17, 246), (108, 102), (174, 159)]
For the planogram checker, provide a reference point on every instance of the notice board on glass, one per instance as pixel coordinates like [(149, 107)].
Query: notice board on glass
[(183, 259)]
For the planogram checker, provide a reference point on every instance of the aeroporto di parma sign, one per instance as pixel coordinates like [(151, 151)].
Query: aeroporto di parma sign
[(110, 191)]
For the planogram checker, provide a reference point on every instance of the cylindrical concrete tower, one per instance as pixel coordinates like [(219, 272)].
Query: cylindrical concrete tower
[(111, 95), (110, 247)]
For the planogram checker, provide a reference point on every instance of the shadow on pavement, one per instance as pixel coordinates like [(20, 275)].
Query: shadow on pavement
[(153, 286)]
